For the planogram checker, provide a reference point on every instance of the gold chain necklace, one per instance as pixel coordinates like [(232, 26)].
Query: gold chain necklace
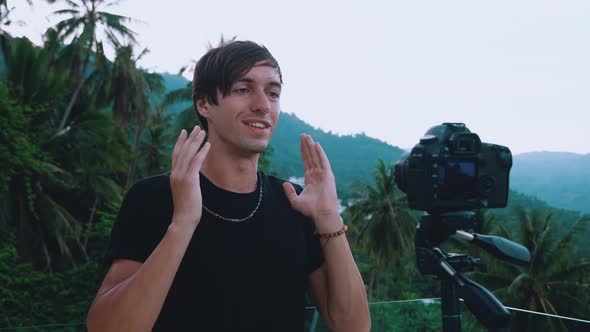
[(250, 215)]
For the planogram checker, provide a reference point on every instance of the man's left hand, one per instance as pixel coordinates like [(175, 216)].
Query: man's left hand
[(318, 200)]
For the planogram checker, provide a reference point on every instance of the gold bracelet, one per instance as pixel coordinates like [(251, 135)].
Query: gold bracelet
[(331, 235)]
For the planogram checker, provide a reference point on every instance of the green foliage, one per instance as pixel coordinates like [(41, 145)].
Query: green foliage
[(382, 226), (554, 282), (12, 125), (382, 219), (410, 316), (29, 297), (264, 161), (395, 316), (561, 219), (61, 188), (66, 161)]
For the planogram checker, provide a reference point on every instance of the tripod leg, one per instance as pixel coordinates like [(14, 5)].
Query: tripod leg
[(451, 311)]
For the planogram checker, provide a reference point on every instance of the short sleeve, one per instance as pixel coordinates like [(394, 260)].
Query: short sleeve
[(135, 232)]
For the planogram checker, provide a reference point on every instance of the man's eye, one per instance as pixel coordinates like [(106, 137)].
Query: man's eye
[(273, 94), (241, 91)]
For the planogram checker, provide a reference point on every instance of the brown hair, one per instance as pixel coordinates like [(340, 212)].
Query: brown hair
[(220, 67)]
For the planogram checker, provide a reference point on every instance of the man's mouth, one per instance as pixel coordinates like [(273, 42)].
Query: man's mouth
[(260, 124), (257, 125)]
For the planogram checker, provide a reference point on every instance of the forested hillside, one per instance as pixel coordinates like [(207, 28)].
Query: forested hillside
[(352, 156), (561, 178), (79, 128)]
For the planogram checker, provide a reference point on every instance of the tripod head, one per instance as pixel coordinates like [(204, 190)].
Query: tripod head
[(432, 230)]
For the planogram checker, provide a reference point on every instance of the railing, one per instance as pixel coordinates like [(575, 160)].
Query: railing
[(408, 315), (425, 315)]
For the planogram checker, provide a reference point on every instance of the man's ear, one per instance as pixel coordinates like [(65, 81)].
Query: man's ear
[(203, 107)]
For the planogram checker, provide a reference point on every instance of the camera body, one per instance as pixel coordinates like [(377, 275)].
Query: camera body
[(450, 169)]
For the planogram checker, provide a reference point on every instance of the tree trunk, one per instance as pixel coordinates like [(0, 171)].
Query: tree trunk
[(19, 216), (74, 97), (371, 283), (68, 110), (134, 156), (377, 283), (89, 223)]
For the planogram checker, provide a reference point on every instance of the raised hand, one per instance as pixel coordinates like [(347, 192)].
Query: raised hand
[(187, 159), (318, 200)]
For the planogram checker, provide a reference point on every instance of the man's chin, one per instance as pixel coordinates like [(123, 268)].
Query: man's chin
[(262, 149), (257, 148)]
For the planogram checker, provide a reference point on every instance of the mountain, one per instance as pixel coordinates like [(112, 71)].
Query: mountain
[(174, 81), (352, 157), (560, 178)]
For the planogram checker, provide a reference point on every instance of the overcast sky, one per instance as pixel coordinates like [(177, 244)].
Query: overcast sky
[(516, 72)]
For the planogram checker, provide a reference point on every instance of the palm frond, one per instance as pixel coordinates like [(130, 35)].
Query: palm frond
[(577, 227), (142, 54), (72, 12), (72, 4), (116, 23), (572, 272), (112, 3), (177, 96)]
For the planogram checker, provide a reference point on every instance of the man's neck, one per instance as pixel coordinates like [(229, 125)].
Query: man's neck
[(231, 172)]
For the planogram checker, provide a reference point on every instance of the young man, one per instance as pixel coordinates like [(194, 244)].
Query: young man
[(217, 245)]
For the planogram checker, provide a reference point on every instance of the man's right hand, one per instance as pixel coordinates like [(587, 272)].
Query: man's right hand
[(132, 293), (187, 159)]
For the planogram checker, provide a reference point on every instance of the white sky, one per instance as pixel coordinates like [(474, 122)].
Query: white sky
[(517, 72)]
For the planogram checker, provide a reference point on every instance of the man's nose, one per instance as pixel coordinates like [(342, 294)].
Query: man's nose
[(260, 102)]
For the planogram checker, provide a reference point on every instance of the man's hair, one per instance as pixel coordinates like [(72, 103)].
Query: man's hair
[(220, 67)]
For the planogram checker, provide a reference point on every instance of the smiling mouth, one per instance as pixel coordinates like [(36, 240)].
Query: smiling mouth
[(259, 125)]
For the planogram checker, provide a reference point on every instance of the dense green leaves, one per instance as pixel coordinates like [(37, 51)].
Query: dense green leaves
[(29, 297), (554, 282), (382, 219)]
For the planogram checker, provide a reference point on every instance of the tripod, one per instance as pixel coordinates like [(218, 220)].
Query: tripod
[(433, 229)]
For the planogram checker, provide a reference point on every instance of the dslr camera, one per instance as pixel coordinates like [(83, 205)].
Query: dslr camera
[(450, 169)]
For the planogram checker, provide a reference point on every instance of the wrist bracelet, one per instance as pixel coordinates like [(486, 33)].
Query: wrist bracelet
[(331, 235)]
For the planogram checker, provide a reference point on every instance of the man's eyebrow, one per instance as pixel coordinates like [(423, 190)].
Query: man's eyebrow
[(245, 80), (276, 84), (273, 83)]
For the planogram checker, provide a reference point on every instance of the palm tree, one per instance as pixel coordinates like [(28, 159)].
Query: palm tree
[(127, 89), (84, 24), (46, 230), (382, 221), (552, 283), (96, 151), (187, 117), (154, 148), (131, 89), (52, 180)]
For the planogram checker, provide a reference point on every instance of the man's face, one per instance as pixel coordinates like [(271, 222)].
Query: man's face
[(245, 119)]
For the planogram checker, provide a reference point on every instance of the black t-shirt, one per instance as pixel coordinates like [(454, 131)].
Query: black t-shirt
[(246, 276)]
